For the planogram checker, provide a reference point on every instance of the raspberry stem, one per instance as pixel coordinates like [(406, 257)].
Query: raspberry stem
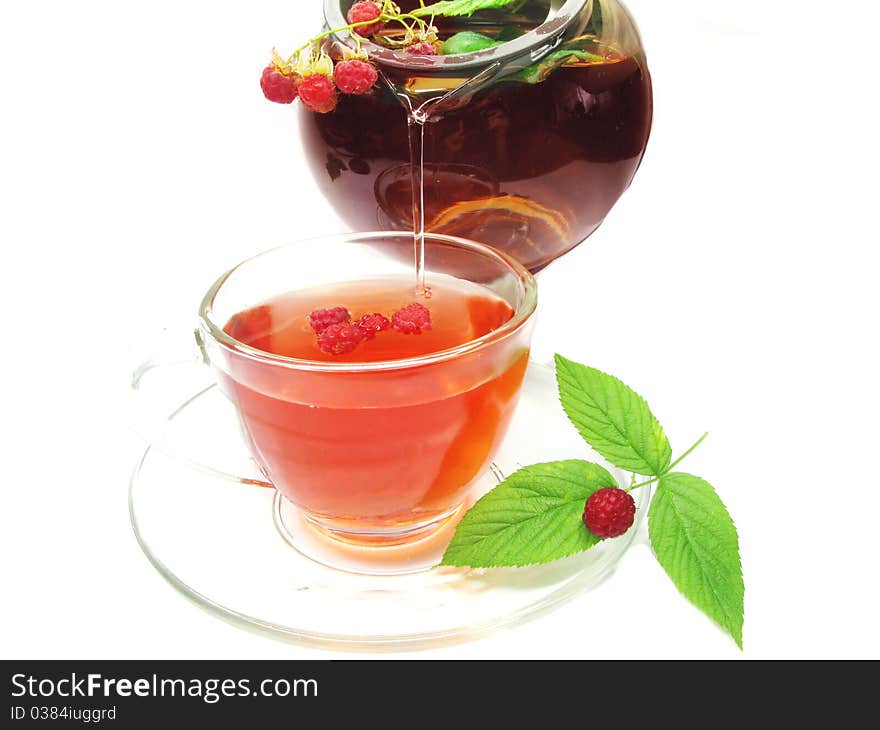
[(384, 17), (642, 484), (671, 466), (688, 452), (323, 35)]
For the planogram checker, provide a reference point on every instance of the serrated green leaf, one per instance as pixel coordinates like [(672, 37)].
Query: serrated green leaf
[(540, 70), (612, 418), (450, 8), (695, 541), (533, 516)]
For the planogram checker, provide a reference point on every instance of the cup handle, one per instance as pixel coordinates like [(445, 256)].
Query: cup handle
[(161, 387)]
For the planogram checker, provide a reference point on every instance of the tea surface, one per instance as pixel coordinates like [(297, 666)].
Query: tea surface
[(460, 313)]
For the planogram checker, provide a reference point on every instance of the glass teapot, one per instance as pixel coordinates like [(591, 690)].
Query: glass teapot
[(534, 141)]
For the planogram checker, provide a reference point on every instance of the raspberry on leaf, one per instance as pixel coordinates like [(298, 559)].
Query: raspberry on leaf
[(609, 512)]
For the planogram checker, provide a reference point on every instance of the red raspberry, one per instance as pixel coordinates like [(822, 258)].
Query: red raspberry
[(422, 48), (413, 319), (362, 12), (373, 323), (321, 319), (277, 87), (355, 76), (338, 339), (609, 512), (318, 93)]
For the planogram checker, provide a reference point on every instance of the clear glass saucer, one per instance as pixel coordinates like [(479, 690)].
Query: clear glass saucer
[(242, 553)]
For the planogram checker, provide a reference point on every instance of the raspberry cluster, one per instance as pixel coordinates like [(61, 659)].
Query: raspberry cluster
[(338, 334), (316, 82), (315, 78), (421, 40), (413, 319)]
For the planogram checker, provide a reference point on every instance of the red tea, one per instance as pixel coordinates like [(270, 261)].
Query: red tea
[(387, 449)]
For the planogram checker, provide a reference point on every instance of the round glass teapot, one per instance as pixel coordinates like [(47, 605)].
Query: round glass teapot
[(528, 143)]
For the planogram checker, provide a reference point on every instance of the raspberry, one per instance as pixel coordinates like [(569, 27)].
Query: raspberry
[(355, 76), (338, 339), (413, 319), (362, 12), (278, 87), (373, 323), (317, 93), (422, 48), (609, 512), (321, 319)]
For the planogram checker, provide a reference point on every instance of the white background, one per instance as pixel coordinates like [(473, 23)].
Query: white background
[(734, 285)]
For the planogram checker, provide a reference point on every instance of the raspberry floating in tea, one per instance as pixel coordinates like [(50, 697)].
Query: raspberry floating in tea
[(340, 339), (337, 334), (413, 319), (374, 323), (321, 319)]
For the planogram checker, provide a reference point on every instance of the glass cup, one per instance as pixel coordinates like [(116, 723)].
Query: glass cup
[(381, 452), (527, 145)]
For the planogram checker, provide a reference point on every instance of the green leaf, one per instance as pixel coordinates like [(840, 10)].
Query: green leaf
[(612, 418), (450, 8), (695, 541), (467, 42), (540, 70), (533, 516)]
